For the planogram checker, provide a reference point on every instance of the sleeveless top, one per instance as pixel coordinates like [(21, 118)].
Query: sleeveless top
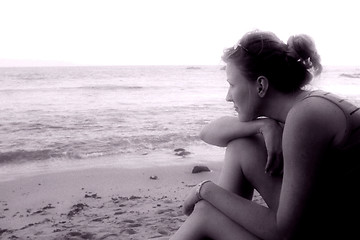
[(338, 197), (352, 114)]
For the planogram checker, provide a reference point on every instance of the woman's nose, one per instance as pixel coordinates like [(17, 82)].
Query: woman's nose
[(228, 97)]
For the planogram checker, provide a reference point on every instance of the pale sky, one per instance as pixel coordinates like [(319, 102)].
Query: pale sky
[(151, 32)]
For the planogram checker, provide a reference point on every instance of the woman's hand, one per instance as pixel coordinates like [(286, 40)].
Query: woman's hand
[(272, 132), (190, 201)]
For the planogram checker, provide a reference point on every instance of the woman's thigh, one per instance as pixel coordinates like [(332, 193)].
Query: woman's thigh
[(244, 170)]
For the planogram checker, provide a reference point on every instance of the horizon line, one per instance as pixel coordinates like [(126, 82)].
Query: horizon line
[(155, 65)]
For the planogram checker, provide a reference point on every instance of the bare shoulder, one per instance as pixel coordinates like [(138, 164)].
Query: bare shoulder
[(318, 115)]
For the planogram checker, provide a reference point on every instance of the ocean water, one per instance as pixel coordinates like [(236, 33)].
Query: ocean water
[(70, 114)]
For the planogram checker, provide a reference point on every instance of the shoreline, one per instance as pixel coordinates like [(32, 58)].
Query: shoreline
[(197, 154)]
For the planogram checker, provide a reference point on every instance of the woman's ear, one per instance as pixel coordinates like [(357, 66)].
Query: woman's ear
[(262, 84)]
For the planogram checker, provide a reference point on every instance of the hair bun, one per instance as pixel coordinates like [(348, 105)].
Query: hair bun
[(302, 48)]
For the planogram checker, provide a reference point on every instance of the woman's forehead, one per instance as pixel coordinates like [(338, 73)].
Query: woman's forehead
[(232, 70)]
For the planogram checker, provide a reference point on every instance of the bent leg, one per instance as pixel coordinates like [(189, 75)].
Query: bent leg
[(232, 178), (244, 170), (208, 222)]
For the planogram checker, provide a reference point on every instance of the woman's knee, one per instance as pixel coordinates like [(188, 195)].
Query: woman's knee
[(204, 211), (249, 152), (210, 218), (203, 208)]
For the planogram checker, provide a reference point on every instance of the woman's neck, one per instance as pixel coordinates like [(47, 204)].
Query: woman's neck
[(279, 104)]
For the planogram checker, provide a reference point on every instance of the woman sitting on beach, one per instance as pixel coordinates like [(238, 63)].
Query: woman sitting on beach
[(299, 149)]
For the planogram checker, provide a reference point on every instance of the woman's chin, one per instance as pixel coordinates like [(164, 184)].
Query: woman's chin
[(244, 118)]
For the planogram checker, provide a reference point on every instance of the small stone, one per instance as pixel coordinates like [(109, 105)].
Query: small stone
[(179, 150), (154, 177), (199, 169), (92, 195)]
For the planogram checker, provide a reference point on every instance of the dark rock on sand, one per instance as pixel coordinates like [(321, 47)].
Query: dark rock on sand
[(154, 177), (181, 152), (76, 209), (91, 195), (199, 169)]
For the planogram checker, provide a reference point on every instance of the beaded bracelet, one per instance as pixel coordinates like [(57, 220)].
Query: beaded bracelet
[(198, 189)]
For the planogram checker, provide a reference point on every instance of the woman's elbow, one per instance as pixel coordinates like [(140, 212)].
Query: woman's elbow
[(206, 137), (202, 135)]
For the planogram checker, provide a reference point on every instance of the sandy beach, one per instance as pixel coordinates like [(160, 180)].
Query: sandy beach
[(99, 203), (74, 167)]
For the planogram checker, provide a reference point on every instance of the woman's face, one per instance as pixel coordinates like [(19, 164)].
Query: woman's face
[(242, 92)]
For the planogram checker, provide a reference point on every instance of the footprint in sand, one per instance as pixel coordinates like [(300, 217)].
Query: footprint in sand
[(77, 235), (100, 219), (119, 212), (128, 221), (109, 236), (163, 231), (134, 225), (129, 231), (162, 211)]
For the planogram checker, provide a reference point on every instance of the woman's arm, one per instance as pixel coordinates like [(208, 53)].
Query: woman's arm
[(225, 129), (312, 129)]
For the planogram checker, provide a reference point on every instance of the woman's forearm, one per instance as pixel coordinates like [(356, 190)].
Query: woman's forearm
[(257, 219), (223, 130)]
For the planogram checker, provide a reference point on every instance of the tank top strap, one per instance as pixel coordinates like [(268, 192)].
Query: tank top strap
[(351, 113), (342, 103)]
